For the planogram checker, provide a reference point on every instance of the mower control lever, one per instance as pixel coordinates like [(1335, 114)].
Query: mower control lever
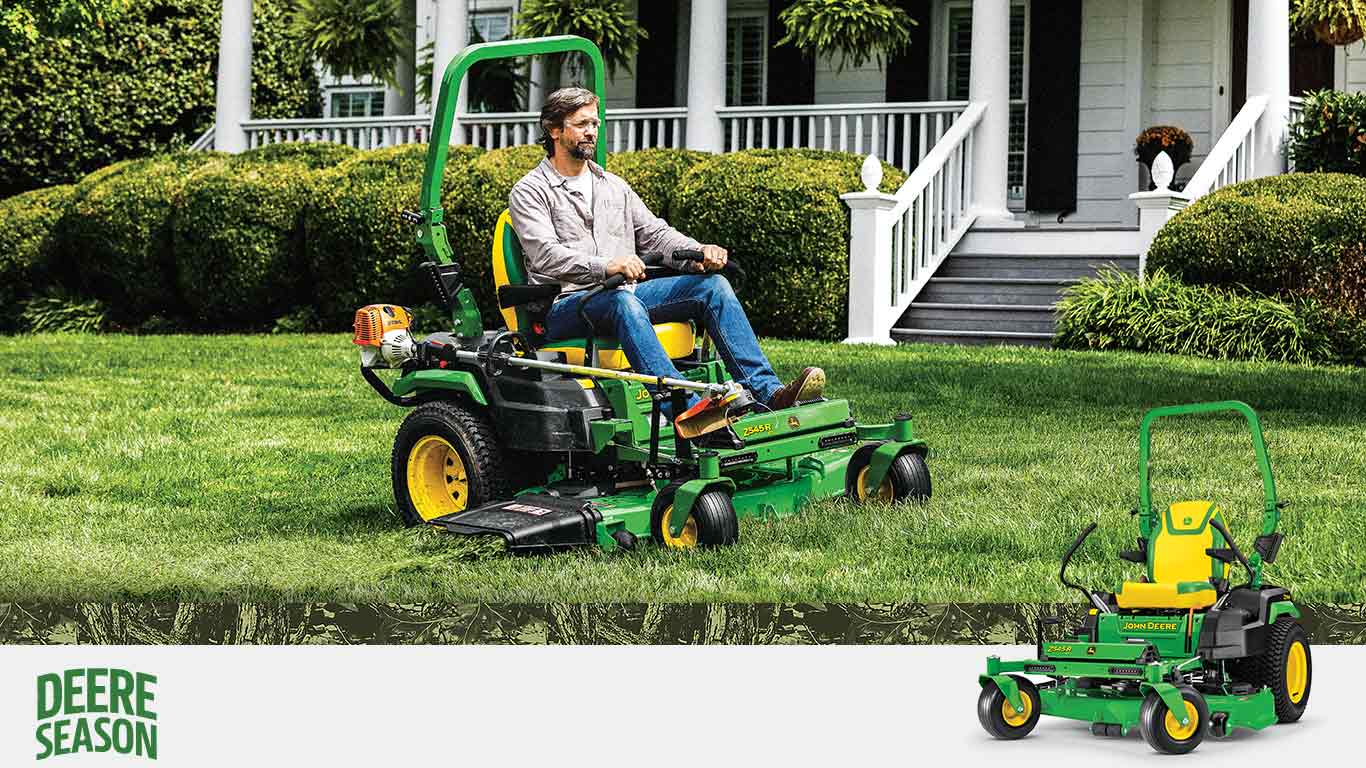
[(1218, 526), (1091, 597)]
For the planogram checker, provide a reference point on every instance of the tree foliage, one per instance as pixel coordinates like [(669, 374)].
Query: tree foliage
[(22, 22)]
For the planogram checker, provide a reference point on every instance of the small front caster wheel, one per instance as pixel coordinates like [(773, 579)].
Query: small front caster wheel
[(1003, 721)]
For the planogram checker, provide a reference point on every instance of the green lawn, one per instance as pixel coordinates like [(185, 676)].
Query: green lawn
[(257, 467)]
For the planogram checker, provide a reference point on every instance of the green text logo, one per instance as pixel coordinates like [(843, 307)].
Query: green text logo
[(1148, 626), (96, 709)]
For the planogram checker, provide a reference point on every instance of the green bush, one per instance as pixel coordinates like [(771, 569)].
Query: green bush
[(779, 213), (655, 174), (27, 250), (117, 230), (314, 154), (1276, 235), (141, 85), (359, 250), (58, 312), (1115, 311), (1332, 134), (238, 245)]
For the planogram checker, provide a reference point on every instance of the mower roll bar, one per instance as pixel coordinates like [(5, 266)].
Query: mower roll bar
[(1271, 514), (432, 229)]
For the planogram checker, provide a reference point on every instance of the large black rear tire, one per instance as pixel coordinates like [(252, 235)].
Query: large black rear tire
[(1286, 667), (446, 459)]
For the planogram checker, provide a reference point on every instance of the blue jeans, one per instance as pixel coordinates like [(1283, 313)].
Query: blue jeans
[(707, 299)]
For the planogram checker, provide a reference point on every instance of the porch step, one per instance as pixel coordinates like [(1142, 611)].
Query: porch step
[(999, 297), (1069, 267)]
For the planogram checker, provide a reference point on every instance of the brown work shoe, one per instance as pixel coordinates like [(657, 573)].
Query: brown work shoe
[(808, 385)]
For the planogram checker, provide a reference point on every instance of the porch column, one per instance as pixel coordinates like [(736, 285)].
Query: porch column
[(399, 97), (1268, 72), (536, 92), (452, 35), (706, 74), (232, 102), (989, 82)]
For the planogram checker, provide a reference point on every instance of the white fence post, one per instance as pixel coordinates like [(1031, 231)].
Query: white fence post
[(870, 259), (1154, 210)]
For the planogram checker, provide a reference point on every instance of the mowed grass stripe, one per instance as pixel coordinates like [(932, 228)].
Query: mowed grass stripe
[(257, 468)]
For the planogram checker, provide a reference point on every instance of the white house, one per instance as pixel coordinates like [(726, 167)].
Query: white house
[(1015, 119)]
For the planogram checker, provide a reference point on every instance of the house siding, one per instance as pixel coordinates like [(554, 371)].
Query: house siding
[(1181, 74), (1354, 74), (1104, 167)]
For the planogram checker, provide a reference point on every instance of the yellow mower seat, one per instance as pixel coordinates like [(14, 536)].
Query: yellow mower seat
[(676, 338), (1179, 570)]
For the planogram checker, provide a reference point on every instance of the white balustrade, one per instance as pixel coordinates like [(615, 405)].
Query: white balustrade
[(1232, 159), (898, 241), (900, 134), (627, 130), (358, 132)]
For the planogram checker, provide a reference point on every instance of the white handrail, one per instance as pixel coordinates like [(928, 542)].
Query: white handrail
[(1231, 160), (898, 241), (205, 140)]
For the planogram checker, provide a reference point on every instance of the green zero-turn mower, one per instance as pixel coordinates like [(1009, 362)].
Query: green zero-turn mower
[(1181, 651), (551, 445)]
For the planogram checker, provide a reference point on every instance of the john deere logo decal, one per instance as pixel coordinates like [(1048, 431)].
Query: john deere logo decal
[(98, 709), (1090, 650), (1148, 626), (792, 422)]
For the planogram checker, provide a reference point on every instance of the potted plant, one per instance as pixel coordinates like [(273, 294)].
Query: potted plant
[(858, 29), (1335, 22), (360, 38), (606, 22), (1163, 138)]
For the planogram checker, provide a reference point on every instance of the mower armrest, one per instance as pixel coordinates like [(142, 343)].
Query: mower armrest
[(517, 295)]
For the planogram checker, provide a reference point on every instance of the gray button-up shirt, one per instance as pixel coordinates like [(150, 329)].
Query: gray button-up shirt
[(564, 242)]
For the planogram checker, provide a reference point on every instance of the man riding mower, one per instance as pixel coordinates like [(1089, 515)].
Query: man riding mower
[(550, 436), (1182, 650)]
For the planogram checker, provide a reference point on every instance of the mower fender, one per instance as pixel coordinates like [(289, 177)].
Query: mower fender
[(1008, 687), (880, 462), (1170, 696), (462, 382), (687, 494), (1282, 608)]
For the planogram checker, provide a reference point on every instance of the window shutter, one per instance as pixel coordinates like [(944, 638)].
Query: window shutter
[(657, 58), (908, 72), (1054, 91), (791, 76)]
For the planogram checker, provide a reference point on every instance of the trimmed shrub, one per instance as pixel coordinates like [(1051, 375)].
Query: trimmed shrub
[(1115, 311), (1332, 135), (118, 231), (655, 174), (359, 250), (27, 250), (779, 213), (1277, 235), (238, 245), (314, 154), (142, 84), (493, 175)]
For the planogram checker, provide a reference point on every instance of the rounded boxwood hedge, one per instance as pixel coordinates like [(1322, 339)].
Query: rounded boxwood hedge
[(237, 239), (27, 251), (117, 230), (314, 154), (1279, 235), (779, 212), (655, 174), (359, 250)]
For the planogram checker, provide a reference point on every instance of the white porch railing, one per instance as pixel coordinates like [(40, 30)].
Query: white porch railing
[(204, 142), (900, 134), (358, 132), (627, 129), (1232, 159), (898, 241)]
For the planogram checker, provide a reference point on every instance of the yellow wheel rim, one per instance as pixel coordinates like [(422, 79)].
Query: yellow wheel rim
[(1016, 719), (437, 483), (1296, 672), (884, 491), (685, 540), (1182, 732)]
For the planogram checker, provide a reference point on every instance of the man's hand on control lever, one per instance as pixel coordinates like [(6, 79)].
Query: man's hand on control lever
[(629, 265), (713, 258)]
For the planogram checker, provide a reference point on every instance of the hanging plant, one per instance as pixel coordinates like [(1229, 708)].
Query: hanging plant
[(1335, 22), (606, 22), (858, 30), (356, 38)]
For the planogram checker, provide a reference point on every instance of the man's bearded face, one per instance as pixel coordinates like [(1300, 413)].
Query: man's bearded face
[(580, 133)]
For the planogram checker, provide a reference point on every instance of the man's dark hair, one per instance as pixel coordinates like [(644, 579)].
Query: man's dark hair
[(559, 105)]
